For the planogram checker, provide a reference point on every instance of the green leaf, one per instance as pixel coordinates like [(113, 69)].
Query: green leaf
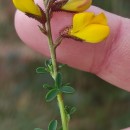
[(48, 63), (59, 80), (41, 70), (37, 129), (47, 86), (67, 89), (70, 110), (49, 67), (73, 110), (51, 95), (52, 125)]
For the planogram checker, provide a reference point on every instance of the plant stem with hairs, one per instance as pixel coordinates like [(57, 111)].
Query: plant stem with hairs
[(52, 48)]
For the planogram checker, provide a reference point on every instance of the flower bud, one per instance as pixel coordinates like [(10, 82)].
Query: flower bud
[(27, 6), (77, 5)]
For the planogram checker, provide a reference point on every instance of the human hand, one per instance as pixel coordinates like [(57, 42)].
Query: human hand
[(110, 59)]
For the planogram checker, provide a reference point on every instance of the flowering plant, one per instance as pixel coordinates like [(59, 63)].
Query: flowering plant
[(86, 27)]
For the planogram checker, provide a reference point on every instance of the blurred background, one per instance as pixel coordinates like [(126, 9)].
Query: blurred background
[(100, 106)]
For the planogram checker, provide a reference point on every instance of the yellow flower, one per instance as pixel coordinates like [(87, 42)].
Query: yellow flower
[(77, 5), (90, 27), (27, 6)]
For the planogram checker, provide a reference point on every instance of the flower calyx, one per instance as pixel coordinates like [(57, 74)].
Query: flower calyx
[(71, 5), (65, 33), (41, 19), (31, 9), (57, 5)]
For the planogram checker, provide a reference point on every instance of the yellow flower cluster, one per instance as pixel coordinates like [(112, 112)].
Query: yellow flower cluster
[(86, 26), (90, 27)]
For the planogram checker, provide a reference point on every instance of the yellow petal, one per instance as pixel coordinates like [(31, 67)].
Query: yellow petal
[(81, 20), (27, 6), (93, 33), (99, 19), (77, 5)]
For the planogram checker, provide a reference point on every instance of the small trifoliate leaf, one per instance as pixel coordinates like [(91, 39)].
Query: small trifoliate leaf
[(49, 67), (70, 110), (73, 110), (59, 80), (52, 125), (67, 89), (48, 63), (51, 95), (41, 70)]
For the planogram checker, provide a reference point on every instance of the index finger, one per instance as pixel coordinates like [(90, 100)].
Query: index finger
[(109, 60)]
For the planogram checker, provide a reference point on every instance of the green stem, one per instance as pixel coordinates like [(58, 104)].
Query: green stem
[(54, 63), (62, 112), (51, 46)]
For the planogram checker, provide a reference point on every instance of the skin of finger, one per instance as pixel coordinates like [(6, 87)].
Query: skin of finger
[(126, 129), (109, 59)]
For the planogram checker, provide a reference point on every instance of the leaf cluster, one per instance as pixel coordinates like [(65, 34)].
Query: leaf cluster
[(58, 86), (47, 69)]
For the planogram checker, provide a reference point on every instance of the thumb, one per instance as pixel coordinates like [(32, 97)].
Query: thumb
[(109, 60)]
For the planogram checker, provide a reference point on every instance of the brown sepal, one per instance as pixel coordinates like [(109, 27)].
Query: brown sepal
[(43, 29), (50, 4), (57, 5), (65, 33), (41, 19)]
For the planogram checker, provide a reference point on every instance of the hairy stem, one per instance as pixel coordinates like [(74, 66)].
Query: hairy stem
[(54, 63), (51, 46)]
